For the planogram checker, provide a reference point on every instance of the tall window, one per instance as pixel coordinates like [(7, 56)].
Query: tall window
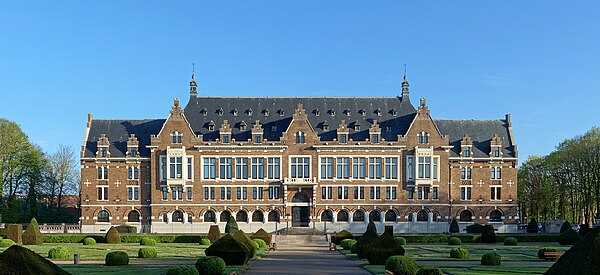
[(210, 169), (257, 193), (226, 138), (390, 193), (242, 193), (326, 193), (225, 168), (435, 193), (225, 193), (465, 173), (343, 168), (467, 151), (258, 168), (359, 192), (435, 168), (102, 193), (133, 173), (391, 168), (423, 193), (423, 138), (326, 168), (189, 193), (177, 193), (163, 167), (274, 192), (273, 168), (190, 168), (164, 193), (342, 192), (410, 167), (411, 193), (241, 168), (300, 137), (209, 193), (496, 193), (133, 193), (102, 173), (424, 167), (300, 167), (176, 137), (496, 173), (496, 152), (257, 139), (374, 168), (358, 168), (175, 167), (465, 193), (343, 138)]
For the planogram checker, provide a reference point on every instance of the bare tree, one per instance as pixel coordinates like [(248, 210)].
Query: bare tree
[(63, 174)]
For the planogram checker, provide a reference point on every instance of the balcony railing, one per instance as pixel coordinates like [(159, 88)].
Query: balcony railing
[(300, 181)]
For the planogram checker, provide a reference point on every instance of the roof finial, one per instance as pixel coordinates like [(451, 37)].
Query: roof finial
[(193, 84), (405, 86), (405, 74)]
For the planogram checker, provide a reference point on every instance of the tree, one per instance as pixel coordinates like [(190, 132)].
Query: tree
[(63, 175)]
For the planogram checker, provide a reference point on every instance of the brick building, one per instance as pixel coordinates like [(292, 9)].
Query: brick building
[(326, 162)]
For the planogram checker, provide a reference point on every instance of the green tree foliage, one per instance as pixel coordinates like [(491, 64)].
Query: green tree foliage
[(454, 227), (532, 227), (231, 227), (565, 226)]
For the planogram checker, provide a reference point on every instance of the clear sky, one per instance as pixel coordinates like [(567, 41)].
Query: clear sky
[(538, 60)]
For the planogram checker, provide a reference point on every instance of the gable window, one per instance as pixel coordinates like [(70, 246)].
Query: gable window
[(356, 127), (133, 152), (176, 137), (226, 138), (175, 167), (103, 153), (274, 192), (243, 126), (274, 128), (300, 137), (257, 139), (375, 138), (133, 193), (467, 152), (132, 173), (211, 127), (423, 138), (388, 128), (102, 193), (496, 152), (343, 138)]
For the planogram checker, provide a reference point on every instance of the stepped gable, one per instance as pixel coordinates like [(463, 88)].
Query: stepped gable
[(583, 258), (480, 132), (20, 260)]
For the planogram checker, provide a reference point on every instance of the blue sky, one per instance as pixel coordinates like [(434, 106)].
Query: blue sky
[(538, 60)]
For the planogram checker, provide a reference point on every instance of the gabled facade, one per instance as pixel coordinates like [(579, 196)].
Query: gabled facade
[(274, 162)]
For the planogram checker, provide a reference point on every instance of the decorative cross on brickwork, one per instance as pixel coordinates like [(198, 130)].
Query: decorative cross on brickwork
[(510, 183), (480, 183), (87, 183), (117, 183)]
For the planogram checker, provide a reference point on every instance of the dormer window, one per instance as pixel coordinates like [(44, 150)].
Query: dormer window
[(378, 112), (362, 112), (204, 112), (325, 126), (249, 112), (375, 138), (211, 126), (273, 128), (234, 112), (467, 152), (356, 127), (496, 152), (300, 137), (242, 126), (266, 112), (281, 113), (347, 111), (343, 138), (176, 137), (423, 138), (133, 152), (220, 112), (332, 112), (103, 153), (317, 112), (388, 128), (225, 138), (394, 112), (257, 139)]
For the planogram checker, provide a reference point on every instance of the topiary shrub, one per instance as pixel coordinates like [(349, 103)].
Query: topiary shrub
[(430, 270), (569, 237), (541, 252), (454, 228), (459, 253), (126, 229), (532, 227), (400, 240), (383, 248), (263, 235), (89, 241), (353, 248), (20, 260), (214, 233), (490, 258), (210, 265), (7, 243), (364, 243), (58, 253), (475, 228), (565, 226), (112, 236), (230, 250), (116, 258), (15, 233), (488, 235), (147, 241), (454, 241), (32, 235), (342, 235), (147, 253), (261, 243), (183, 270), (231, 227), (205, 241), (347, 243), (403, 265), (510, 241), (584, 229), (34, 222), (252, 246)]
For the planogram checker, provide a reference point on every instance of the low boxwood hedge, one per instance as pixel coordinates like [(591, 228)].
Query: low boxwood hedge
[(348, 243), (459, 253), (541, 251), (510, 241), (430, 270), (147, 241), (400, 240), (125, 238)]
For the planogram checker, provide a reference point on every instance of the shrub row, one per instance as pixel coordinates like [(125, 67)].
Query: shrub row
[(76, 238), (442, 238)]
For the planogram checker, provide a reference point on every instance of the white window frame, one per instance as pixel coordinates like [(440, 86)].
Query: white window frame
[(468, 195), (303, 166), (134, 190), (327, 165), (495, 192), (104, 192)]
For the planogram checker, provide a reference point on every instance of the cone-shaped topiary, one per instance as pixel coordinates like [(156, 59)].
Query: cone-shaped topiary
[(401, 265), (15, 233), (214, 233), (532, 227), (231, 227), (116, 258), (459, 253), (34, 222), (29, 262), (33, 235), (371, 226), (565, 226), (342, 235), (491, 258), (230, 250), (430, 270), (488, 235), (569, 237), (364, 243), (241, 237), (582, 258), (383, 248), (183, 270), (210, 265), (454, 228), (112, 236), (263, 235)]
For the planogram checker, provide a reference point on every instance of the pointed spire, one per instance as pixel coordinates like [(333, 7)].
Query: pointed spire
[(193, 84), (405, 85)]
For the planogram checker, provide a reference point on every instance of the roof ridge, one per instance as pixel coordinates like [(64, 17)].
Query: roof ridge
[(315, 97)]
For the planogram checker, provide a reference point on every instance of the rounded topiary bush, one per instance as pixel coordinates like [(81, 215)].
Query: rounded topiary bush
[(491, 258), (569, 237), (400, 240), (382, 249), (204, 241), (430, 270), (89, 241), (58, 253), (459, 253), (116, 258), (210, 265), (454, 241), (348, 243), (147, 241), (342, 235), (510, 241), (261, 243), (541, 252), (147, 253), (183, 270), (7, 243), (403, 265)]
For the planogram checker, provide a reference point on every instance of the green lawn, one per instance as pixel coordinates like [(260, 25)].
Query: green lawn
[(474, 269), (149, 269)]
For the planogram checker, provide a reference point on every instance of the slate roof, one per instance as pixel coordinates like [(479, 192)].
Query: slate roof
[(118, 131), (324, 114), (481, 133)]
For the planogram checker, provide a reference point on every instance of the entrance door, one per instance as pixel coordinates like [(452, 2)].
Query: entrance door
[(300, 216)]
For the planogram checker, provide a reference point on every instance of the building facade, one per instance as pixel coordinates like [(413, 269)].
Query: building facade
[(331, 163)]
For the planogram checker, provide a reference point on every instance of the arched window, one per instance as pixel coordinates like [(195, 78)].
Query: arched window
[(435, 216), (165, 218), (422, 216), (224, 216), (178, 216), (358, 216), (273, 216), (300, 197), (241, 216), (496, 216), (327, 216), (410, 217), (257, 216), (375, 216), (133, 216), (210, 216), (390, 216), (466, 216), (103, 216), (342, 216), (300, 137)]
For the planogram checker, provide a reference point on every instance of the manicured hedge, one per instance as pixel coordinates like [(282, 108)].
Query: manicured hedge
[(348, 243), (541, 252), (148, 241), (58, 253), (112, 236), (205, 241), (210, 265), (261, 243), (430, 270), (89, 241), (459, 253), (400, 240), (7, 243), (510, 241), (491, 258), (77, 238), (342, 235), (116, 258), (454, 241), (183, 270), (147, 253), (401, 265), (471, 238)]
